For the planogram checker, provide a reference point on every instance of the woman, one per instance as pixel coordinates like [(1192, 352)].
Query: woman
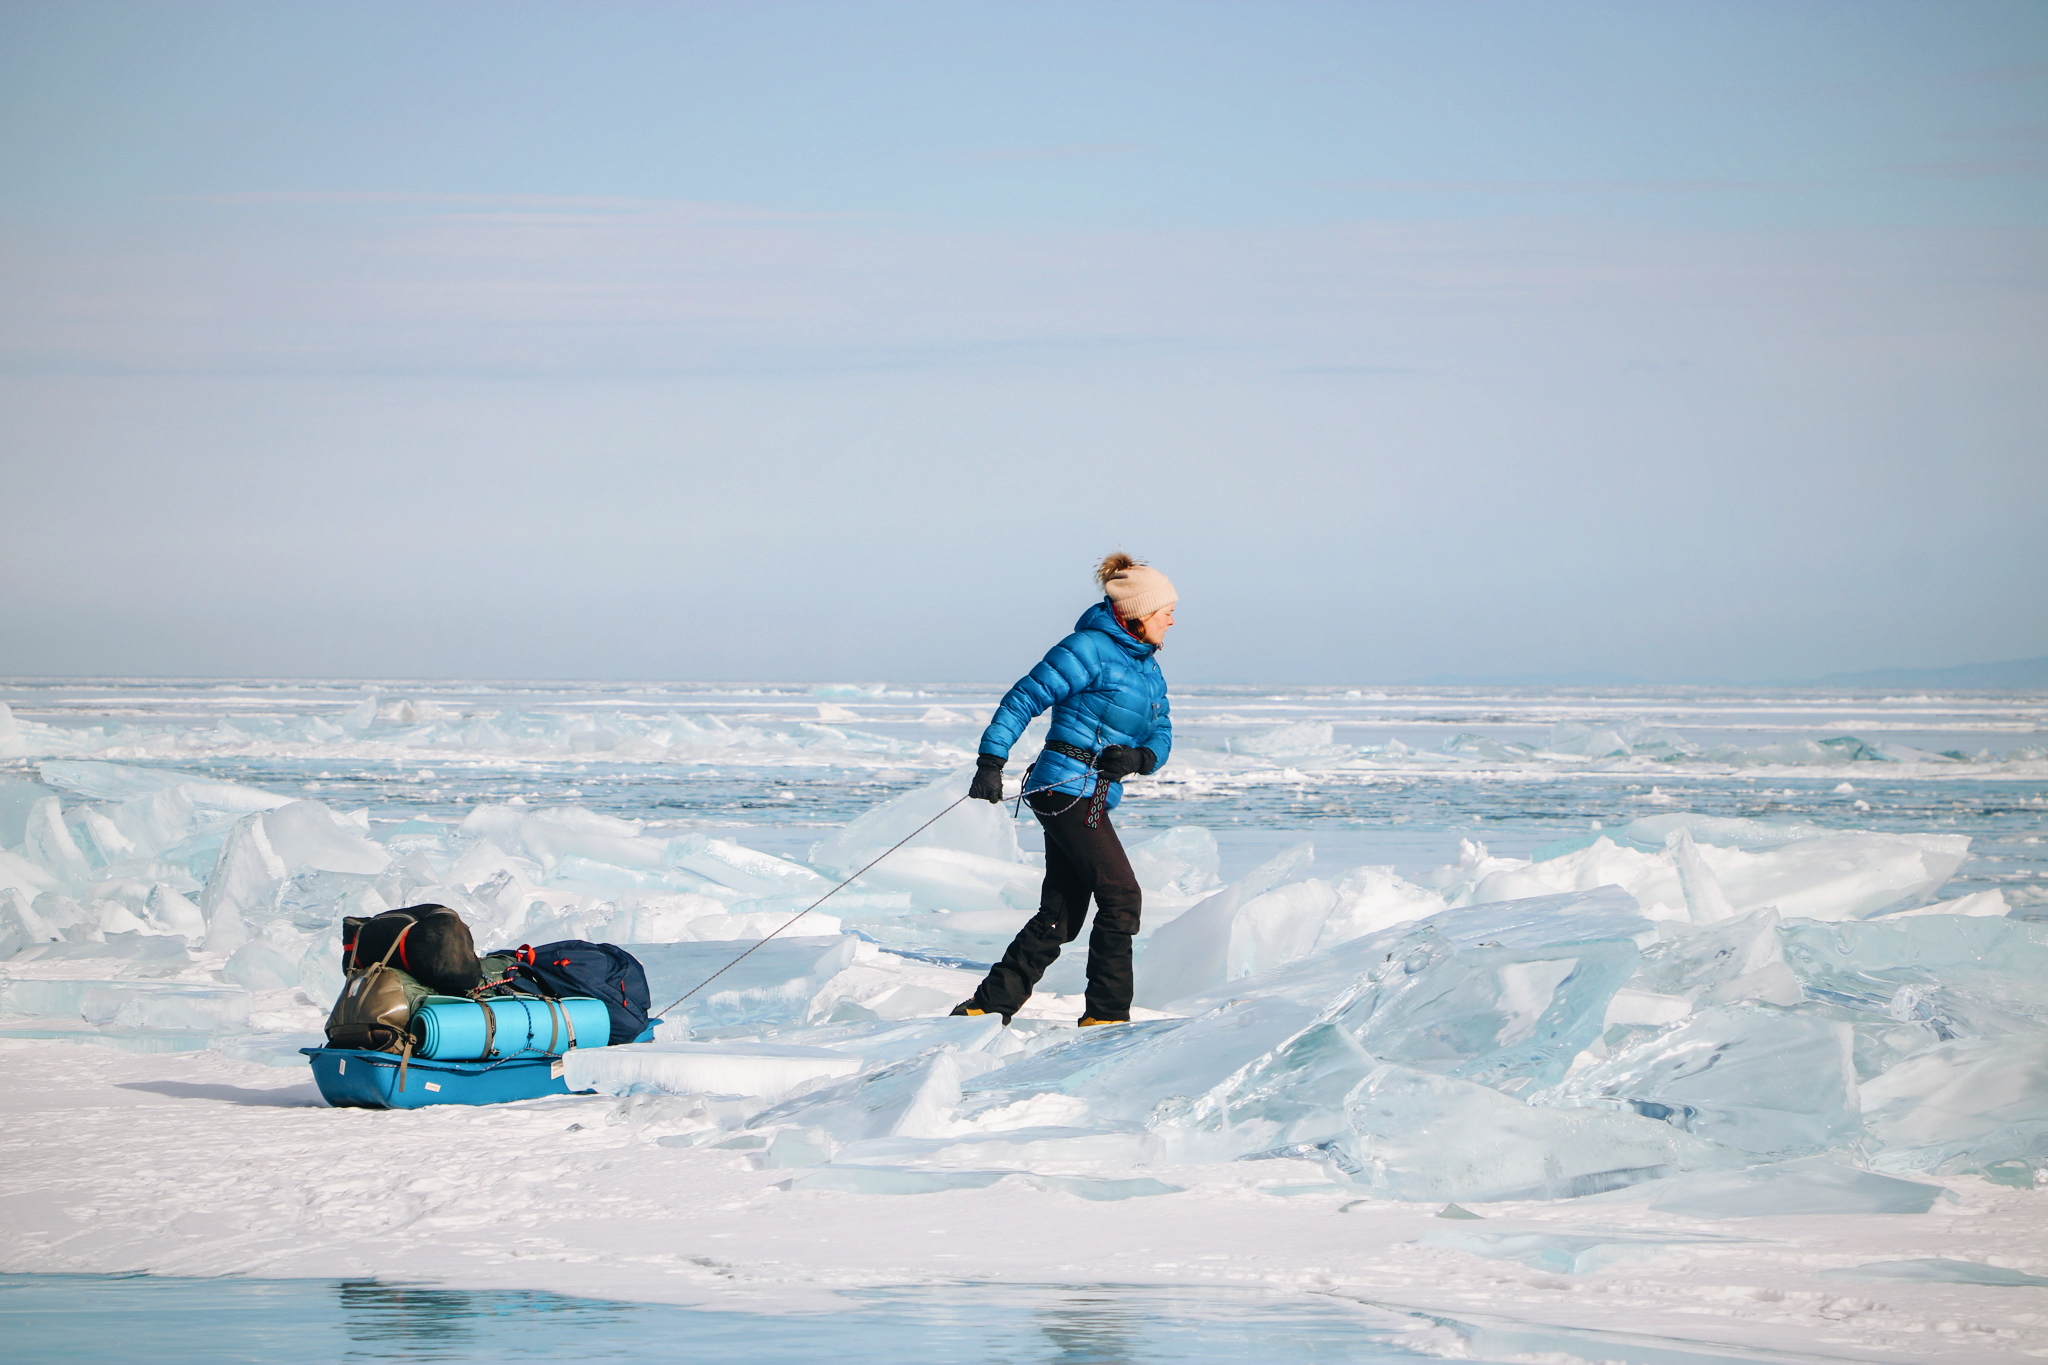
[(1109, 720)]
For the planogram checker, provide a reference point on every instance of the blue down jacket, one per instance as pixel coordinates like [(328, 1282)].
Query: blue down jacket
[(1104, 687)]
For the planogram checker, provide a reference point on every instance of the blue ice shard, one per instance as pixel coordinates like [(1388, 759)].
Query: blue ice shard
[(1766, 1080)]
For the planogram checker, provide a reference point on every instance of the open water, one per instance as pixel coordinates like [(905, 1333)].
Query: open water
[(64, 1318)]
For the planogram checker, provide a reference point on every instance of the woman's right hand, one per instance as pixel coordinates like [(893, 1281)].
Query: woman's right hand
[(988, 779)]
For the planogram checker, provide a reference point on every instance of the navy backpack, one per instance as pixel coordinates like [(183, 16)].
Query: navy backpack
[(602, 971)]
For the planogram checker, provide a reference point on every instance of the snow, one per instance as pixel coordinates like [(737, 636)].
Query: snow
[(1692, 1072), (198, 1164), (751, 1070)]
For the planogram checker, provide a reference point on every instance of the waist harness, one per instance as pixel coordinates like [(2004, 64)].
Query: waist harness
[(1100, 796)]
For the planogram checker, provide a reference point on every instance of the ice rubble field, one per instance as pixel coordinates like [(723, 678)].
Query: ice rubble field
[(1657, 1055), (139, 718)]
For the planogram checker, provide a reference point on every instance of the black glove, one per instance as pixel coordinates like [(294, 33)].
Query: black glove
[(988, 779), (1118, 761)]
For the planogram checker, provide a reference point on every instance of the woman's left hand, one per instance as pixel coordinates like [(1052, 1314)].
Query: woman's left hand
[(1118, 761)]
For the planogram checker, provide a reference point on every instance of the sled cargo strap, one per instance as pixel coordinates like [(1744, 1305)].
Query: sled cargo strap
[(405, 1042), (559, 1022), (355, 946), (396, 944)]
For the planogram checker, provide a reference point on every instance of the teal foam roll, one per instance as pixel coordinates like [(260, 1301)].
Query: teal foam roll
[(453, 1030)]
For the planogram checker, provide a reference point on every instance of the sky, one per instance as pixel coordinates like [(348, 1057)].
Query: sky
[(839, 340)]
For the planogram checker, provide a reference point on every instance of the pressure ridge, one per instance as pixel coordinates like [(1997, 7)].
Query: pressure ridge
[(1715, 1014)]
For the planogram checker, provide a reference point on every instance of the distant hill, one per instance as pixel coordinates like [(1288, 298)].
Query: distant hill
[(1586, 679), (2012, 673), (2015, 674)]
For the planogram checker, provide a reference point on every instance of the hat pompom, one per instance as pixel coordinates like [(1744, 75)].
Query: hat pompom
[(1112, 565)]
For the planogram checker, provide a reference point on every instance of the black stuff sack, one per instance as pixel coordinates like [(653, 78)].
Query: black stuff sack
[(433, 946), (602, 971)]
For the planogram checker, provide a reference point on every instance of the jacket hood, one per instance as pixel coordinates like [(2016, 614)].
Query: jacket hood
[(1101, 617)]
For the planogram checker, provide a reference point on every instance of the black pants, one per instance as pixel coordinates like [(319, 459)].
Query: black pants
[(1079, 862)]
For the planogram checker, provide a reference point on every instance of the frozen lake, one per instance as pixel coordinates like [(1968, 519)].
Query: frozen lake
[(1680, 1023), (1393, 775)]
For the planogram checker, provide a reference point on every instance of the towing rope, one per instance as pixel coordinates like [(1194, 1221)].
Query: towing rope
[(836, 890)]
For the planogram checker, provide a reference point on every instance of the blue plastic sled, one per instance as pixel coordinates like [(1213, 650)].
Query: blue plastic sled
[(352, 1079)]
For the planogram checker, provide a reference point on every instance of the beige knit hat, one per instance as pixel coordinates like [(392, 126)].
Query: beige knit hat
[(1135, 590)]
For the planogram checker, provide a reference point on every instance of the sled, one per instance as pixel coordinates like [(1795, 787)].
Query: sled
[(354, 1079)]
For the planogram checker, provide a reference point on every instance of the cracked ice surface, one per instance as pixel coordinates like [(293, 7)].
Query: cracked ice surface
[(1652, 1009), (1624, 1045)]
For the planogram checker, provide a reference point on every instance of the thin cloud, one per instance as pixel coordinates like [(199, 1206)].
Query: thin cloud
[(1992, 169), (2016, 71), (1506, 187), (1069, 151), (504, 203), (2026, 133)]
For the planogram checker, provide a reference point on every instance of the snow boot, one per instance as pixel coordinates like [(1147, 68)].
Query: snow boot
[(968, 1007), (1090, 1021)]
